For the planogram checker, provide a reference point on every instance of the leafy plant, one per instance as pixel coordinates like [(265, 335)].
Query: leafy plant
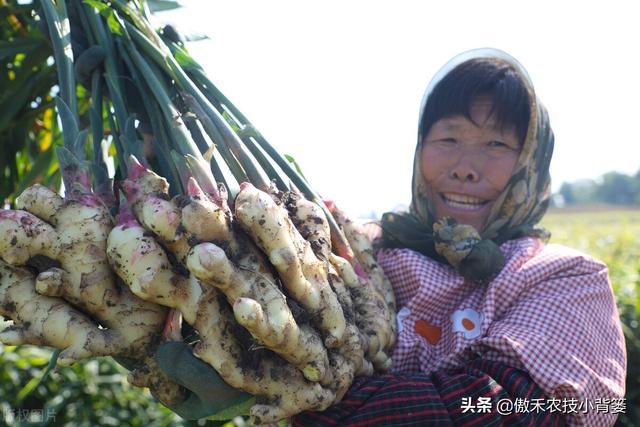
[(28, 129)]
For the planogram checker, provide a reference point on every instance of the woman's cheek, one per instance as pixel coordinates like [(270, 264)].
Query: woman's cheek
[(499, 171), (432, 162)]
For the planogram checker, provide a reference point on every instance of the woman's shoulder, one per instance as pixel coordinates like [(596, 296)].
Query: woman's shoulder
[(549, 259)]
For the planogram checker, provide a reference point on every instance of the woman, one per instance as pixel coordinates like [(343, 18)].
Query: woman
[(501, 316), (496, 327)]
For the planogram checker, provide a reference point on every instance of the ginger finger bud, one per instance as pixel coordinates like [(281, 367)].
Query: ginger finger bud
[(143, 265), (372, 313), (25, 236), (216, 227), (40, 201), (261, 308), (284, 388), (52, 282), (46, 321), (154, 211), (302, 273)]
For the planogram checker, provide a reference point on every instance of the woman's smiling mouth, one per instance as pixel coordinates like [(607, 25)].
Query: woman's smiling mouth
[(459, 201)]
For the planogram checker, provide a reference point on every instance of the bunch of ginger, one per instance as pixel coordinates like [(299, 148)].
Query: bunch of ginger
[(278, 312)]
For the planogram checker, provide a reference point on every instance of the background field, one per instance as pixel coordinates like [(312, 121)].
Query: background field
[(614, 237), (97, 393)]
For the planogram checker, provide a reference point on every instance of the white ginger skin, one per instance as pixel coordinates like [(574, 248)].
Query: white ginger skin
[(148, 196), (373, 316), (311, 222), (75, 236), (259, 305), (262, 309), (302, 273), (77, 239), (143, 265), (363, 252), (285, 389), (204, 219), (48, 321)]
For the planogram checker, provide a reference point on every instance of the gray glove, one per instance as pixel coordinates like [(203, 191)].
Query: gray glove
[(209, 396)]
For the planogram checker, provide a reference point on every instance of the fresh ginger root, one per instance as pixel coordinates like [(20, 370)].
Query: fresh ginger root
[(261, 308), (363, 252), (367, 268), (248, 284), (49, 321), (222, 271), (142, 264), (368, 291), (372, 314), (310, 221), (284, 389), (302, 273), (75, 236)]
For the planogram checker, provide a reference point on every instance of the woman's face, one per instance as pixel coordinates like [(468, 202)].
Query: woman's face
[(466, 164)]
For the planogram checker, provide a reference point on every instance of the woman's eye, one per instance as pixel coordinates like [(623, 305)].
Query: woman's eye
[(442, 142), (498, 144)]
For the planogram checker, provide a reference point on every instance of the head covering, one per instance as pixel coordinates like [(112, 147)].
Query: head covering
[(516, 211)]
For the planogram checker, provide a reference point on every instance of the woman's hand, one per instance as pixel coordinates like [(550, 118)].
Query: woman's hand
[(207, 394)]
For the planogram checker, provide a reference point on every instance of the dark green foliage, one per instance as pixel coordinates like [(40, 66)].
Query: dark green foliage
[(91, 393)]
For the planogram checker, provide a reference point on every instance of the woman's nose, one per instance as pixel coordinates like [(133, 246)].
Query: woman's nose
[(465, 170)]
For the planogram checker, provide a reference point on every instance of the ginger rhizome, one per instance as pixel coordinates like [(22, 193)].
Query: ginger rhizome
[(277, 311), (68, 237), (142, 263)]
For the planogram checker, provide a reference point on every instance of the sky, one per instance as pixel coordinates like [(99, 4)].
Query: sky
[(337, 83)]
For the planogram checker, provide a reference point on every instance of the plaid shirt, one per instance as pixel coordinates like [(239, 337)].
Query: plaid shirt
[(551, 312)]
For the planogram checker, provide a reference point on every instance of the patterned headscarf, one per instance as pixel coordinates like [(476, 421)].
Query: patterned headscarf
[(514, 214)]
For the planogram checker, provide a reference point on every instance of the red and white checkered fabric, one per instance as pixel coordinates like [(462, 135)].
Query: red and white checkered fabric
[(550, 312)]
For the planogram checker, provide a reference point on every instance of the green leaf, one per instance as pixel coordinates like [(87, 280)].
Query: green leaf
[(114, 23), (105, 10), (130, 130), (80, 143), (12, 102), (130, 139), (60, 37), (185, 60), (35, 381), (39, 170), (290, 159), (231, 122), (100, 6)]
